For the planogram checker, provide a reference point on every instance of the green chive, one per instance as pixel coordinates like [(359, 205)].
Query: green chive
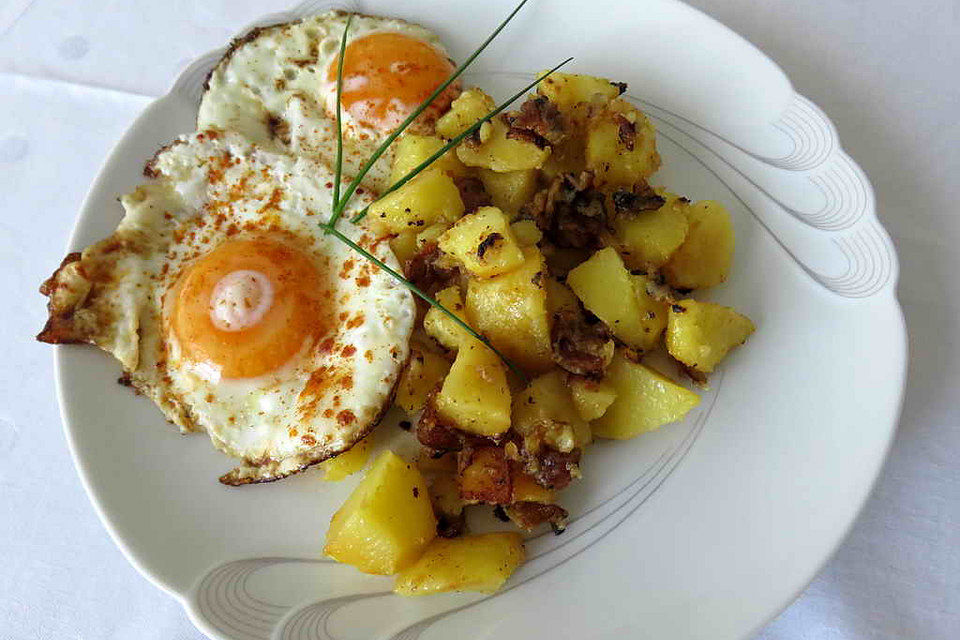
[(338, 206), (339, 166), (458, 139)]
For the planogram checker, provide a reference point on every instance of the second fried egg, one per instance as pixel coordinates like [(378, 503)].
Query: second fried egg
[(277, 86)]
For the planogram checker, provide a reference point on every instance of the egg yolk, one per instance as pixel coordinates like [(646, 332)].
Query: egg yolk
[(387, 75), (248, 307)]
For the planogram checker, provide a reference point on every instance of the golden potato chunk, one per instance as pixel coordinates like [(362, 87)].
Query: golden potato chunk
[(412, 150), (567, 89), (649, 238), (704, 258), (484, 475), (471, 563), (442, 327), (621, 145), (526, 233), (430, 197), (607, 290), (387, 521), (483, 243), (510, 190), (546, 412), (525, 489), (700, 334), (420, 377), (431, 234), (653, 312), (475, 396), (469, 106), (348, 462), (511, 311), (404, 246), (645, 400), (591, 397), (499, 153), (560, 297)]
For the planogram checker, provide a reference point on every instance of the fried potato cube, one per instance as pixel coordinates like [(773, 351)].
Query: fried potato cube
[(511, 311), (499, 153), (591, 397), (607, 290), (440, 326), (429, 198), (700, 334), (420, 377), (567, 89), (509, 190), (621, 145), (704, 258), (475, 396), (470, 563), (348, 462), (404, 246), (387, 521), (525, 489), (649, 238), (526, 233), (483, 243), (484, 475), (653, 312), (545, 410), (431, 234), (645, 401), (412, 150), (467, 108), (560, 297)]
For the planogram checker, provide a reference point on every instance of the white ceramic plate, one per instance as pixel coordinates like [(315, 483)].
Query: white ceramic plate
[(701, 529)]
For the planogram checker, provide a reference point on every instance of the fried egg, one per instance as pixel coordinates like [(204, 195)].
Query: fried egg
[(229, 307), (277, 86)]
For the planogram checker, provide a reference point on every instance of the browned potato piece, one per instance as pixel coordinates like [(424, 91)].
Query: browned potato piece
[(499, 153), (645, 401), (404, 246), (387, 521), (429, 198), (483, 243), (649, 238), (511, 311), (412, 150), (421, 376), (471, 563), (700, 334), (469, 106), (704, 258), (526, 233), (621, 145), (484, 475), (653, 312), (591, 397), (545, 411), (475, 396), (440, 326), (567, 89), (606, 289), (560, 297), (509, 190)]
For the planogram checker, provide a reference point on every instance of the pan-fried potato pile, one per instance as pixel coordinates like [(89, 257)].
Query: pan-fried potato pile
[(542, 232)]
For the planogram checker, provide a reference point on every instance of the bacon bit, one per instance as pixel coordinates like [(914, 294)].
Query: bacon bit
[(538, 122), (580, 347), (626, 131), (356, 322), (348, 351), (346, 417), (422, 270), (472, 193)]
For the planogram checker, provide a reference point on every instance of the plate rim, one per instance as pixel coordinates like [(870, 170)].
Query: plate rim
[(890, 296)]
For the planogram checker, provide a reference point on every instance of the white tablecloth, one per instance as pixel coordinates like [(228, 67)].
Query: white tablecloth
[(74, 74)]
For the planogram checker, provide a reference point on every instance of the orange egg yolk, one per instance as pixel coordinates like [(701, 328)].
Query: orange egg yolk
[(248, 307), (387, 75)]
